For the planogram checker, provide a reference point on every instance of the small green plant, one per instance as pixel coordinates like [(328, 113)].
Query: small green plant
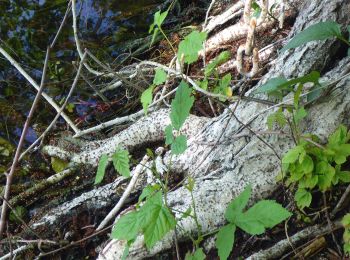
[(264, 214), (153, 219), (346, 236), (120, 160), (146, 97), (314, 166)]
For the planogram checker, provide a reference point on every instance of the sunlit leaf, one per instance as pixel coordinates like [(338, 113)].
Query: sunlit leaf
[(121, 162), (190, 46)]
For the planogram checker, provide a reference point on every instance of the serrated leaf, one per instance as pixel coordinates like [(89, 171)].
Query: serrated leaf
[(197, 255), (250, 224), (181, 105), (102, 164), (148, 191), (238, 204), (340, 136), (160, 77), (190, 46), (127, 227), (157, 220), (264, 214), (58, 165), (121, 162), (292, 155), (179, 145), (344, 176), (325, 173), (169, 137), (303, 198), (225, 240), (319, 31), (146, 98)]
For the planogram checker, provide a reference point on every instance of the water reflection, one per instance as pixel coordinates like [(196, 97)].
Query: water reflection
[(27, 27)]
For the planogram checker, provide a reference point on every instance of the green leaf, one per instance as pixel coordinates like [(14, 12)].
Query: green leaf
[(346, 221), (271, 85), (169, 137), (340, 136), (225, 240), (58, 165), (264, 214), (238, 204), (210, 68), (102, 164), (280, 83), (344, 176), (299, 115), (181, 105), (277, 117), (224, 86), (319, 31), (190, 46), (127, 227), (121, 162), (303, 198), (203, 84), (148, 191), (325, 173), (160, 77), (179, 145), (17, 214), (159, 18), (315, 93), (307, 165), (157, 220), (293, 154), (198, 255), (146, 98), (250, 224)]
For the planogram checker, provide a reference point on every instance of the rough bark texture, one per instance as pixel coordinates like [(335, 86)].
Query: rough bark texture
[(223, 172), (223, 155)]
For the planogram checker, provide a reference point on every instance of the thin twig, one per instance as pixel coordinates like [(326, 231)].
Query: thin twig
[(125, 195), (9, 177), (36, 86), (59, 112), (61, 25)]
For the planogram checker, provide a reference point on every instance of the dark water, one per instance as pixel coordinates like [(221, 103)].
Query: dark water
[(28, 26)]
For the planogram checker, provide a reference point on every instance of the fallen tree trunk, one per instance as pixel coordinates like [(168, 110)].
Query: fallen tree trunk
[(224, 154)]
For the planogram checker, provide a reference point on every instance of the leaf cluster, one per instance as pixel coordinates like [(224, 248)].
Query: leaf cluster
[(264, 214), (313, 166), (120, 160), (153, 219)]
